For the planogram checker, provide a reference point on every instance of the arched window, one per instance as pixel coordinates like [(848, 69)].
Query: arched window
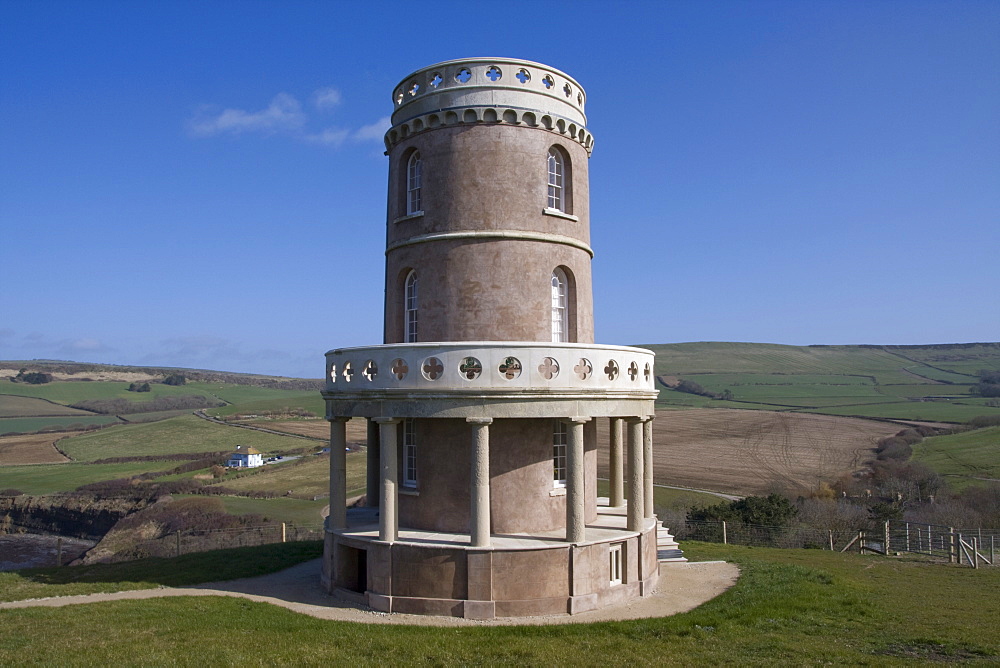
[(557, 169), (414, 179), (409, 454), (410, 334), (560, 436), (560, 310)]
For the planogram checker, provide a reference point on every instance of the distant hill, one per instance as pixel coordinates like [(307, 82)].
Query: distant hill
[(926, 382), (64, 370)]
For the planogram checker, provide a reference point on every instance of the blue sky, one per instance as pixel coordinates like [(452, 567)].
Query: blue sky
[(202, 184)]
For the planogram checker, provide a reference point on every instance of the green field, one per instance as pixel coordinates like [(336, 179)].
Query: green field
[(70, 392), (310, 401), (789, 607), (838, 380), (966, 458), (38, 479), (15, 406), (302, 512), (185, 434), (33, 424)]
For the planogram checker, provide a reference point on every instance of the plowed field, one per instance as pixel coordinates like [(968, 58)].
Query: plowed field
[(31, 449), (754, 452)]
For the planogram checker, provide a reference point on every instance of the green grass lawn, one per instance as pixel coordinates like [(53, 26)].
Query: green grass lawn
[(177, 435), (51, 478), (151, 573), (963, 457), (789, 607)]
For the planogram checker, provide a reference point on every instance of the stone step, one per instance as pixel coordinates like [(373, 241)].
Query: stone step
[(667, 549)]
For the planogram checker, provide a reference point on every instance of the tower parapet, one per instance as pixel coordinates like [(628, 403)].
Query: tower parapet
[(489, 90)]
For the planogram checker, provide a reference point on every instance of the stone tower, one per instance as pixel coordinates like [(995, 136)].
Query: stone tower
[(482, 439)]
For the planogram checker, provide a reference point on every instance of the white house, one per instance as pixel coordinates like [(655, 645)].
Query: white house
[(247, 458)]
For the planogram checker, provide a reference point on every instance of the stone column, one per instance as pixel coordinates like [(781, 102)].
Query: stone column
[(479, 518), (647, 466), (616, 495), (372, 487), (576, 524), (635, 477), (388, 526), (338, 473)]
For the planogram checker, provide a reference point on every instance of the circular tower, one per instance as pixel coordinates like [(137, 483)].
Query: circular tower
[(482, 401)]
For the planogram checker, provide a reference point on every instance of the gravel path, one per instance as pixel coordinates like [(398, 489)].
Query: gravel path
[(683, 586)]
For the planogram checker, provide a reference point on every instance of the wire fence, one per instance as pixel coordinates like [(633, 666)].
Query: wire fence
[(971, 547), (184, 542)]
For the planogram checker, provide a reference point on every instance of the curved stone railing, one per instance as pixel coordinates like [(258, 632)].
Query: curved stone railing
[(489, 90), (489, 367)]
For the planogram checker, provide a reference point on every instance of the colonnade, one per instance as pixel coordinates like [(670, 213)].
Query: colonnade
[(632, 436)]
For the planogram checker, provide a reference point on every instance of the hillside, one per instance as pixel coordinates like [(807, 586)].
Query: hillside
[(928, 383)]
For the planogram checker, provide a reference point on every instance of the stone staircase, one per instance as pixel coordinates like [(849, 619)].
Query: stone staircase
[(667, 548)]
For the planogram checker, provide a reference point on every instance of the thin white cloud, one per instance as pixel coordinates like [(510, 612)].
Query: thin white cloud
[(284, 114), (328, 137), (375, 131), (327, 98)]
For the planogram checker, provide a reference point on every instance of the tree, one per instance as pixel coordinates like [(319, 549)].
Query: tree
[(175, 379)]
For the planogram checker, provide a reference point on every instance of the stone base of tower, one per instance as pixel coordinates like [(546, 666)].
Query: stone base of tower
[(427, 573)]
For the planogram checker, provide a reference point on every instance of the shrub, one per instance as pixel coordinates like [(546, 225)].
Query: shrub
[(175, 379)]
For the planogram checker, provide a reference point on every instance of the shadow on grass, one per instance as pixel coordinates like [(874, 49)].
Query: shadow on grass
[(187, 569)]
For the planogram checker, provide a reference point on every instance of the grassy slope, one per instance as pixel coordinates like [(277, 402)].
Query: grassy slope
[(791, 607), (309, 477), (309, 401), (963, 457), (839, 380), (177, 435), (52, 478)]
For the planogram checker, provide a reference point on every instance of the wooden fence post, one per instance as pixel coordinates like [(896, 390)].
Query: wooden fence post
[(975, 552), (284, 534), (725, 540), (886, 544), (831, 539), (953, 547)]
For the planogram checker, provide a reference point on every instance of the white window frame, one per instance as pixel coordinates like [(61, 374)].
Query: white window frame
[(414, 183), (557, 171), (560, 438), (616, 560), (409, 454), (560, 307), (410, 308)]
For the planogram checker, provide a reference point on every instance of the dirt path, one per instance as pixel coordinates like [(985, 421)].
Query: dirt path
[(683, 586)]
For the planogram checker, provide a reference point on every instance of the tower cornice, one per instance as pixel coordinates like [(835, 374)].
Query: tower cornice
[(489, 90)]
